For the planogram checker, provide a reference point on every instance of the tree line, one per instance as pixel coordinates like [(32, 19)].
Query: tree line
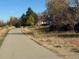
[(64, 17), (27, 19), (61, 16)]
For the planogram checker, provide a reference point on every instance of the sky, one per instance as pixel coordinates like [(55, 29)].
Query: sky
[(73, 3), (16, 8)]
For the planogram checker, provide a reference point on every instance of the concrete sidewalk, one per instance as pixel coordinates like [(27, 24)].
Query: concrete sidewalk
[(19, 46)]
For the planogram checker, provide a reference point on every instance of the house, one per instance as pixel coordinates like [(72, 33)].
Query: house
[(44, 21)]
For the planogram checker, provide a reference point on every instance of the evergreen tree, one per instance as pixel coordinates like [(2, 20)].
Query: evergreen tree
[(31, 17), (23, 20)]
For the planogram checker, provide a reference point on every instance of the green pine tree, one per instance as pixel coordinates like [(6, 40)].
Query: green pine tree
[(31, 17)]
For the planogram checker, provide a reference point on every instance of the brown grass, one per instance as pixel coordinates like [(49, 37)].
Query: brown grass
[(3, 33), (64, 44)]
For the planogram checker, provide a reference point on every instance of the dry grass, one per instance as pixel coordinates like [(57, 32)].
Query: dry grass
[(3, 33), (64, 44)]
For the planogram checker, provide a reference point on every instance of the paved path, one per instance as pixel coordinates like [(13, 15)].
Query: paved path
[(18, 46)]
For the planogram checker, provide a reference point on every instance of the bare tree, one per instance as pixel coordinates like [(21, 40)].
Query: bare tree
[(56, 6), (1, 23), (62, 14), (13, 21)]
